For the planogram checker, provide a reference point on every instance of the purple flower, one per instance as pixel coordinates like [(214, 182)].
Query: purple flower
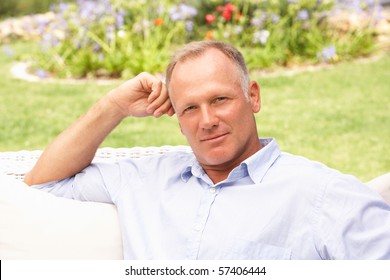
[(93, 10), (87, 10), (377, 13), (63, 7), (41, 73), (182, 12), (41, 25), (257, 22), (303, 15), (327, 53), (119, 20), (189, 25), (259, 17), (120, 17)]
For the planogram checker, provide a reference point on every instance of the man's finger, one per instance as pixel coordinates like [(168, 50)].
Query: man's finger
[(157, 99)]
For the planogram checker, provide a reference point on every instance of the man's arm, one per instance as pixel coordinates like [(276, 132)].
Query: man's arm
[(74, 148)]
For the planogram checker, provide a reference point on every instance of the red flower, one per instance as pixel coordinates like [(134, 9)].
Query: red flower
[(209, 18), (230, 7), (226, 10), (227, 15)]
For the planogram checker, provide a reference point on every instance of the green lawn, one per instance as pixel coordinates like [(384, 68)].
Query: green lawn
[(339, 116)]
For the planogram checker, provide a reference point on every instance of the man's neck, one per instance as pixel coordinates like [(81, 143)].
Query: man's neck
[(220, 173)]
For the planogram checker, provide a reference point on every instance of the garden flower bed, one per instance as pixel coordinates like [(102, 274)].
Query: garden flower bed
[(119, 39)]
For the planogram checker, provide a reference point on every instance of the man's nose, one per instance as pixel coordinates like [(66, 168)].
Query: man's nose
[(208, 118)]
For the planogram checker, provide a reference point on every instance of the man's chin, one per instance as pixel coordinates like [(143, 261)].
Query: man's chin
[(215, 158)]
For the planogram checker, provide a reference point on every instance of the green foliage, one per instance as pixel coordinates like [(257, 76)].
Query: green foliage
[(117, 38)]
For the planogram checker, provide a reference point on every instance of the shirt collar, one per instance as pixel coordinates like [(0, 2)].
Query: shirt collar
[(256, 166), (259, 163), (193, 168)]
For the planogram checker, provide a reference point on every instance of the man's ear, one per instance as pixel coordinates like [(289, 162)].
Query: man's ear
[(254, 96)]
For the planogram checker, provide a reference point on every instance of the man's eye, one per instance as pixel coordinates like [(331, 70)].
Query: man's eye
[(219, 99), (188, 109)]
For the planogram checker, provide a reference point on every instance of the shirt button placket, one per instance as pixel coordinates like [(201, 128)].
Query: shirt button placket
[(200, 222)]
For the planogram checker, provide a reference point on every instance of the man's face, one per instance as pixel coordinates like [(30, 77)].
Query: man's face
[(213, 112)]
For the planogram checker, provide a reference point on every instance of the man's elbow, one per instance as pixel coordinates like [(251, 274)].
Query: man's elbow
[(29, 179)]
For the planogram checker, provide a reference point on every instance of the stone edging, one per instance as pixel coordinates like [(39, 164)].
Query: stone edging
[(19, 71)]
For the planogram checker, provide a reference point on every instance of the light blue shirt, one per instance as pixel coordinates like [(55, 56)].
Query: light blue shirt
[(273, 206)]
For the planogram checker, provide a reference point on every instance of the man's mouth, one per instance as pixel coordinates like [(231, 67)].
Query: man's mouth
[(213, 137)]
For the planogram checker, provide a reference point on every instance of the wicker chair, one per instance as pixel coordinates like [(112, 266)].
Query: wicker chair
[(38, 225)]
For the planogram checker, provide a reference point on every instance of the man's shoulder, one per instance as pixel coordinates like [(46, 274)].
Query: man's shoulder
[(304, 168), (292, 160), (311, 172)]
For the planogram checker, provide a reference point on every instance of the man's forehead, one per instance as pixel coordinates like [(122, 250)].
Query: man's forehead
[(200, 55), (206, 61)]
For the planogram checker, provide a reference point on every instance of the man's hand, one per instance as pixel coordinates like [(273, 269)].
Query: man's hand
[(144, 95)]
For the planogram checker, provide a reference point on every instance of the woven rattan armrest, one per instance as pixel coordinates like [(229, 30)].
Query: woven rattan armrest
[(16, 164)]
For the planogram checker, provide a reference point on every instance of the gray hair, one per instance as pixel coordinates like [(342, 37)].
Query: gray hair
[(198, 48)]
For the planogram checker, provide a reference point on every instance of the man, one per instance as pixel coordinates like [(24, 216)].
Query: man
[(236, 197)]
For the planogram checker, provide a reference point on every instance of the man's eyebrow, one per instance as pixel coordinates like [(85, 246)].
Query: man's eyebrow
[(188, 104)]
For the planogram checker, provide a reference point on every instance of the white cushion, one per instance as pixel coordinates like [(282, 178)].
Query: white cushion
[(38, 225), (381, 185)]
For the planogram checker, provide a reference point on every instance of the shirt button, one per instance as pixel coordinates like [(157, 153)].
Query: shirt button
[(212, 190)]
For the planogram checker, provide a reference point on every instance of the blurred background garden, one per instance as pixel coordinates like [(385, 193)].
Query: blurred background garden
[(323, 67)]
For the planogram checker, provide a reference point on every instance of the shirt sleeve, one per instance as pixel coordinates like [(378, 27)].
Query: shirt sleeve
[(99, 182), (354, 221)]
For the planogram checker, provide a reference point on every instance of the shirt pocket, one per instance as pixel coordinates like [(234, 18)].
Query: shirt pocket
[(249, 250)]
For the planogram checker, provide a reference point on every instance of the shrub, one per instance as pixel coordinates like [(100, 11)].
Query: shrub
[(103, 38), (122, 38), (24, 7)]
